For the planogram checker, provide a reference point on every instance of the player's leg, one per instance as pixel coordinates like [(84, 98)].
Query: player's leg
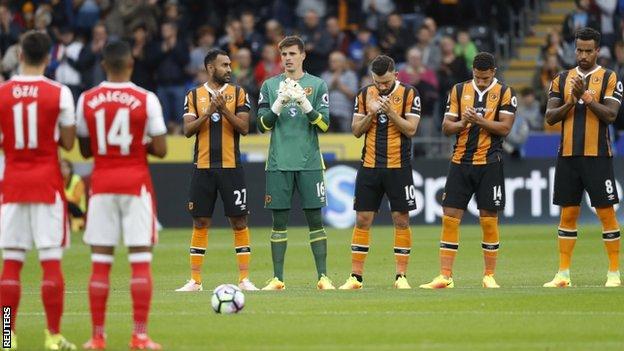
[(279, 191), (51, 235), (568, 191), (231, 185), (600, 184), (102, 234), (15, 240), (399, 187), (457, 193), (368, 195), (138, 223), (311, 187), (202, 197), (490, 196)]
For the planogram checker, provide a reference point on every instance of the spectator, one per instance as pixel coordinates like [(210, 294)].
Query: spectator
[(274, 33), (142, 74), (370, 52), (542, 78), (9, 30), (10, 61), (205, 42), (67, 53), (604, 57), (305, 6), (514, 141), (393, 38), (608, 28), (91, 56), (430, 50), (342, 84), (415, 71), (579, 18), (364, 38), (452, 70), (87, 14), (172, 13), (465, 47), (529, 109), (75, 193), (169, 57), (618, 65), (376, 11), (431, 24), (339, 40), (317, 43), (555, 46), (126, 16), (243, 75), (268, 66), (251, 35), (234, 38)]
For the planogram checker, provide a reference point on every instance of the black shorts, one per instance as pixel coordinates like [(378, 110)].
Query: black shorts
[(372, 183), (487, 182), (574, 174), (229, 182)]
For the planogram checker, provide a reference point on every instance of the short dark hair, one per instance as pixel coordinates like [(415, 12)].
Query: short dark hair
[(382, 64), (484, 61), (115, 55), (212, 55), (291, 41), (35, 47), (587, 33)]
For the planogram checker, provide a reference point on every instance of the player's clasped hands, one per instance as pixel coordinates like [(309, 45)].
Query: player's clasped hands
[(471, 116)]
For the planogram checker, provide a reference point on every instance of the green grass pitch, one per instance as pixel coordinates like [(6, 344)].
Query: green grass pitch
[(520, 316)]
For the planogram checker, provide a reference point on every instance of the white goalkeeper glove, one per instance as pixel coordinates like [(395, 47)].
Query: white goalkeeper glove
[(283, 96), (297, 93)]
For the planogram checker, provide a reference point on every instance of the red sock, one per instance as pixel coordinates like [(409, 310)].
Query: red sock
[(10, 287), (141, 290), (52, 292), (98, 295)]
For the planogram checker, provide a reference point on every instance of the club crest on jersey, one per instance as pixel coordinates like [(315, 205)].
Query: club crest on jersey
[(397, 100), (229, 98), (190, 206), (215, 117), (308, 90), (493, 97), (267, 199), (596, 80)]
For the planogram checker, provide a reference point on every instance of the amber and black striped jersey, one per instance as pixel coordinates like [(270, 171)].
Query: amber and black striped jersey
[(582, 132), (216, 143), (384, 145), (475, 145)]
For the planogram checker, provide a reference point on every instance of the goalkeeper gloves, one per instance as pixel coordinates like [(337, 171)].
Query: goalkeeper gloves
[(298, 95), (283, 96)]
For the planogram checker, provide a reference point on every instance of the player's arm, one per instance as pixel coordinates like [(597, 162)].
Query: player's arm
[(239, 119), (608, 110), (452, 122), (318, 114), (506, 115), (156, 129), (408, 125), (557, 108), (84, 142), (67, 119), (192, 120), (361, 121), (267, 113)]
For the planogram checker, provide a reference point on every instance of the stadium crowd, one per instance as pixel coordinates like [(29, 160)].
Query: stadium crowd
[(433, 41)]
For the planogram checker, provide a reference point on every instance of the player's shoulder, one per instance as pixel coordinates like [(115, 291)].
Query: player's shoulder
[(365, 89), (315, 79), (459, 87), (609, 72), (194, 89), (408, 87), (274, 80)]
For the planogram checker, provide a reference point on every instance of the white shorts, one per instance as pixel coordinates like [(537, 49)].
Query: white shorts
[(111, 215), (45, 225)]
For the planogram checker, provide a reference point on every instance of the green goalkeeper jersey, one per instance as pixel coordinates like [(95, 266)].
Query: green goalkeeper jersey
[(294, 134)]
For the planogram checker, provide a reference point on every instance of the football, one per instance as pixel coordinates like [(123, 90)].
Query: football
[(227, 299)]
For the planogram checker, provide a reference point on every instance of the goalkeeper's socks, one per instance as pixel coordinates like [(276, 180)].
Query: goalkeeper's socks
[(567, 235), (490, 243), (318, 244), (140, 289), (10, 286), (449, 243), (199, 243), (610, 236), (402, 248), (52, 293), (243, 252), (279, 243), (360, 242), (99, 286)]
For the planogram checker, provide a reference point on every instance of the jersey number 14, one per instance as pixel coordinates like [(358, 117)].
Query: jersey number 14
[(118, 134)]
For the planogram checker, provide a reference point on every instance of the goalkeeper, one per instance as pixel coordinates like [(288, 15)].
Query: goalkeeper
[(294, 106)]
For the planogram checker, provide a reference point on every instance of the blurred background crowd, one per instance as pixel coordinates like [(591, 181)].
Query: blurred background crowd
[(433, 42)]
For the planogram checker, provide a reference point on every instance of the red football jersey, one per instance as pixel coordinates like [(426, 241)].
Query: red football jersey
[(117, 117), (31, 110)]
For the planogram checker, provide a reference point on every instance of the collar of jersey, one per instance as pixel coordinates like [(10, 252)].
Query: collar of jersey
[(481, 93), (116, 84), (396, 86), (578, 71), (211, 91), (284, 76), (23, 78)]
